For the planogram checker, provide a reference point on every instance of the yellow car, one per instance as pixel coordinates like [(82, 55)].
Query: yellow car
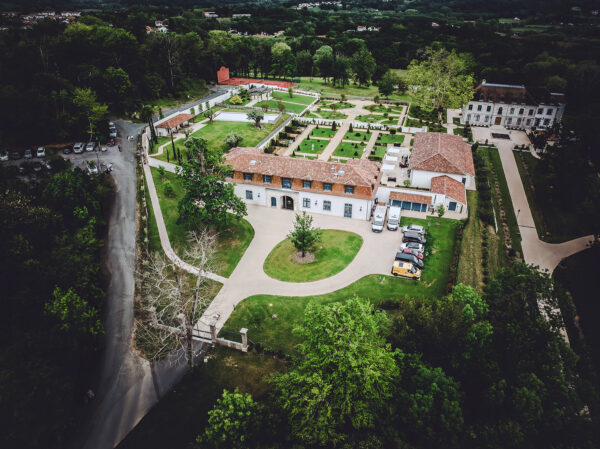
[(405, 270)]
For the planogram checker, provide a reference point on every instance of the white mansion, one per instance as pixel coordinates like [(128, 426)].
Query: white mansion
[(513, 106)]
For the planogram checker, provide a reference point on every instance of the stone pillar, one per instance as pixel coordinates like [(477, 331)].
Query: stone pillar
[(244, 333), (213, 329)]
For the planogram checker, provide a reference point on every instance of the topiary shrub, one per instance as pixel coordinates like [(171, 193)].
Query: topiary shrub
[(168, 189)]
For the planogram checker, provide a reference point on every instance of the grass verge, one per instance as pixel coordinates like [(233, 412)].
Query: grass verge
[(349, 149), (470, 264), (231, 242), (335, 251)]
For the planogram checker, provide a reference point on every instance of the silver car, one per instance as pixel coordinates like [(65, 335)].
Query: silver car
[(90, 146), (78, 147), (412, 245), (414, 228)]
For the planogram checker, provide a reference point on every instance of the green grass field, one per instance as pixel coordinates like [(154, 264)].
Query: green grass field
[(182, 414), (361, 136), (289, 107), (306, 146), (470, 267), (338, 104), (296, 98), (327, 114), (318, 85), (382, 108), (323, 132), (370, 118), (255, 312), (390, 138), (333, 253), (214, 133), (231, 242), (348, 149)]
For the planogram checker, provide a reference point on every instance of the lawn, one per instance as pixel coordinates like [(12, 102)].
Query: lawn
[(349, 149), (379, 151), (296, 98), (256, 312), (382, 108), (470, 266), (339, 105), (231, 242), (182, 414), (327, 115), (390, 138), (335, 251), (318, 85), (358, 136), (312, 146), (160, 141), (214, 133), (323, 132), (370, 118), (289, 107)]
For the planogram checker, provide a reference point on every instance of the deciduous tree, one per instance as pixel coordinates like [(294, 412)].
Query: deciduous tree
[(304, 236)]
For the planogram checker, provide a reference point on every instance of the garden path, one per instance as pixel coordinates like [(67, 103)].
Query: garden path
[(289, 150)]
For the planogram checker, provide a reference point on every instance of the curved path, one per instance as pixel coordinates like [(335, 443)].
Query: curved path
[(544, 255)]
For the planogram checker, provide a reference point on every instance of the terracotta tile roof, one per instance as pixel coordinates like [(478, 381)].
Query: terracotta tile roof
[(502, 93), (356, 172), (176, 121), (449, 187), (412, 197), (243, 81), (441, 153)]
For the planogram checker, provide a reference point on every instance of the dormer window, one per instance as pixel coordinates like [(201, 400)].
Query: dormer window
[(327, 186), (247, 176), (349, 190), (306, 184)]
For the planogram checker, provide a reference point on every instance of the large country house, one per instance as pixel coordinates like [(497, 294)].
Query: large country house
[(330, 188), (513, 106)]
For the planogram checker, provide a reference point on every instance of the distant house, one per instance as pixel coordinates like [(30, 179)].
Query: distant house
[(158, 23), (440, 154), (513, 106), (278, 33), (361, 28), (435, 25), (239, 16), (210, 14), (331, 188)]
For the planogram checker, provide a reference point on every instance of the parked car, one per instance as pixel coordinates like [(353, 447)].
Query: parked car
[(92, 168), (37, 166), (67, 150), (411, 236), (414, 252), (90, 146), (412, 245), (15, 155), (111, 124), (410, 258), (405, 270), (41, 152), (4, 156), (103, 148), (379, 218), (393, 218), (414, 228), (28, 154), (78, 147), (112, 132), (111, 143)]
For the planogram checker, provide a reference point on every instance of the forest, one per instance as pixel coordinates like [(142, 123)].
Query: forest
[(52, 300)]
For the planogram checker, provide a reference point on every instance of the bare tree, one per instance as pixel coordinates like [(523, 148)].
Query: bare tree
[(174, 300)]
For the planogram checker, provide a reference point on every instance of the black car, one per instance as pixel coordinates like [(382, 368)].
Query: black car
[(16, 155), (410, 236), (410, 258), (67, 150)]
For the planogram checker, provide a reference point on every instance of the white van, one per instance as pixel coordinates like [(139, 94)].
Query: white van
[(379, 218), (393, 218)]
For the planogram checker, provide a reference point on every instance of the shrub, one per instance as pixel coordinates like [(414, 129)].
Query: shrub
[(355, 153), (161, 171), (393, 131), (236, 99), (168, 189)]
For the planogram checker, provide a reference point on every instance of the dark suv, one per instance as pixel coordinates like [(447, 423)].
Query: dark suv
[(410, 258), (411, 236)]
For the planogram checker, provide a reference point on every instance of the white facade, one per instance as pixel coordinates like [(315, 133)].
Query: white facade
[(422, 179), (383, 195), (525, 114), (313, 202)]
